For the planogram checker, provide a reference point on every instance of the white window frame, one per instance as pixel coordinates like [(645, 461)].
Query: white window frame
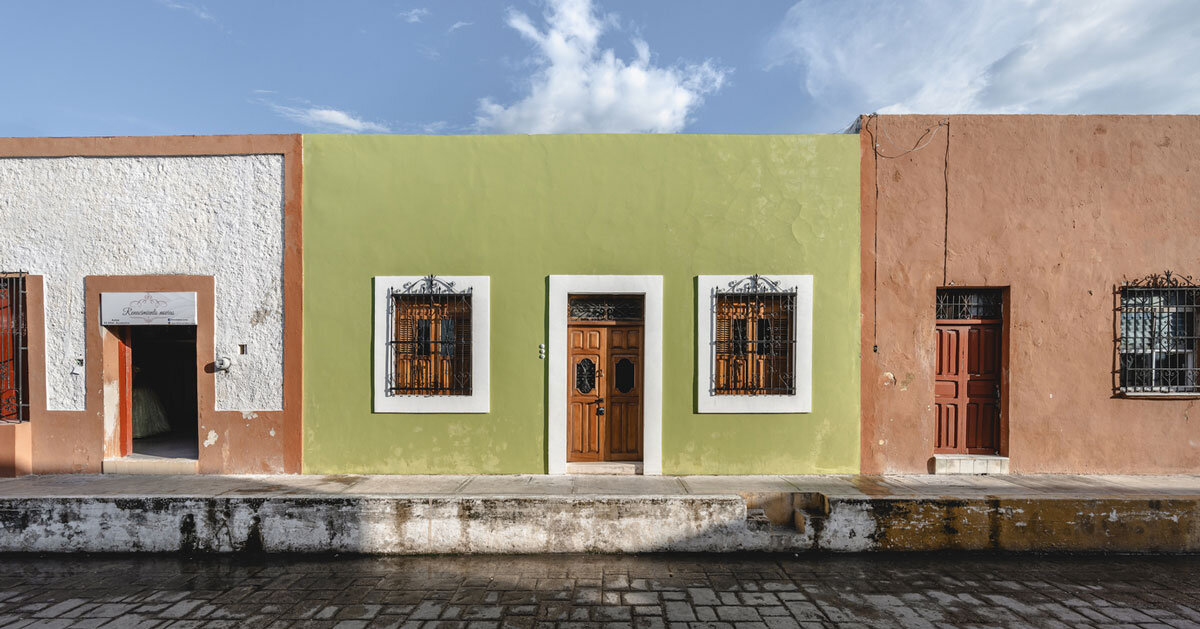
[(563, 286), (801, 400), (480, 400)]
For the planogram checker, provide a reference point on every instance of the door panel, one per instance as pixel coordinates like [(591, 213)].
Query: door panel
[(967, 389), (946, 389), (125, 382), (624, 394), (585, 390)]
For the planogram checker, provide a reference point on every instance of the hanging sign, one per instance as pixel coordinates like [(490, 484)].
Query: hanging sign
[(147, 308)]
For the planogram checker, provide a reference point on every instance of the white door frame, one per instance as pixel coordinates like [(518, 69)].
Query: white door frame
[(561, 286)]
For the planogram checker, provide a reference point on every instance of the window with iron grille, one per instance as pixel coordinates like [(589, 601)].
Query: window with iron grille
[(754, 343), (1158, 337), (430, 338), (14, 350)]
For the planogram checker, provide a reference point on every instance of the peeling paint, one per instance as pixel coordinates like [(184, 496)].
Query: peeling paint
[(211, 439)]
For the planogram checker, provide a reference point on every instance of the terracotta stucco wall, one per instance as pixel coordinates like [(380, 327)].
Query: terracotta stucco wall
[(1058, 209)]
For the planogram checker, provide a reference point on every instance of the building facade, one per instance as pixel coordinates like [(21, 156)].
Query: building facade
[(132, 266), (586, 251), (1057, 249), (979, 294)]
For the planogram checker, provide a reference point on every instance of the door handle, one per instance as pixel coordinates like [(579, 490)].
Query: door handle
[(598, 400)]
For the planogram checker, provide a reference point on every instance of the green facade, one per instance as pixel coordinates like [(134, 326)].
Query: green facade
[(521, 208)]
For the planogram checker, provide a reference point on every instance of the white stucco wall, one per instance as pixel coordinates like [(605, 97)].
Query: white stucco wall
[(67, 218)]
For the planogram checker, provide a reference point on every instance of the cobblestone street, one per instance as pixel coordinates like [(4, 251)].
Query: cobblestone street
[(764, 592)]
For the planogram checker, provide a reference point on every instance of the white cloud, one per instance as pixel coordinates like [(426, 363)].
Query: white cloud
[(194, 9), (429, 52), (995, 56), (325, 119), (582, 88), (458, 25), (413, 16)]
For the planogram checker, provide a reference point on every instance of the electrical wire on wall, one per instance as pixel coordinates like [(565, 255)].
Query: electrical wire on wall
[(922, 141)]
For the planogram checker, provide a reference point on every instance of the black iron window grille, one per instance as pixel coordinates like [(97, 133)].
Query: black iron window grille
[(754, 341), (955, 304), (429, 339), (14, 350), (606, 307), (1158, 337)]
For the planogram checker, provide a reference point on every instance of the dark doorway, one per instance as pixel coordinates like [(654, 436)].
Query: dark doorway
[(163, 394)]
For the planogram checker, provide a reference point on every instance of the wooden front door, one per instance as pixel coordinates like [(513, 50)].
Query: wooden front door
[(604, 397), (967, 388)]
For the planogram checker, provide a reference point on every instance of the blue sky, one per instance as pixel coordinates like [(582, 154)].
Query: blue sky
[(156, 67)]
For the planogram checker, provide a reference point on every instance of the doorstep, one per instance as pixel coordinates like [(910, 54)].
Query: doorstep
[(609, 468), (969, 464), (146, 464)]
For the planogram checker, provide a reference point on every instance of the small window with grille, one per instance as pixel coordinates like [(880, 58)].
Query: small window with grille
[(1158, 337), (758, 353), (14, 350), (432, 331)]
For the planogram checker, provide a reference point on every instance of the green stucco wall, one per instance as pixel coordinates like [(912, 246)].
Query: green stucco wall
[(521, 208)]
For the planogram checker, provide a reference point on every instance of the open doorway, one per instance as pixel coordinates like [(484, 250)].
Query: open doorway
[(158, 391)]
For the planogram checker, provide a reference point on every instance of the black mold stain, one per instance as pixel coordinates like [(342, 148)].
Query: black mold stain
[(187, 534), (254, 540)]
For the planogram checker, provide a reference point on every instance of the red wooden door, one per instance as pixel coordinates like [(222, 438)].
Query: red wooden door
[(967, 388), (13, 360), (124, 336)]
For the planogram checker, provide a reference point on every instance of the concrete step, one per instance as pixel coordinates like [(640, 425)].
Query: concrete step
[(610, 468), (150, 465), (761, 521)]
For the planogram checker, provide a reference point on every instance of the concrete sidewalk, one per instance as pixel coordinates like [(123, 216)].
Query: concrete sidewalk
[(833, 486), (556, 514)]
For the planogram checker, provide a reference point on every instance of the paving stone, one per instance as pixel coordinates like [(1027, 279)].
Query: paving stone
[(656, 592), (679, 611), (728, 612)]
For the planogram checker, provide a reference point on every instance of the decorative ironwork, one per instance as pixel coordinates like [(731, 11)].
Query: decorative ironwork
[(585, 375), (606, 307), (429, 338), (955, 304), (1158, 340), (624, 375), (14, 350), (431, 285), (755, 284), (1166, 279), (754, 344)]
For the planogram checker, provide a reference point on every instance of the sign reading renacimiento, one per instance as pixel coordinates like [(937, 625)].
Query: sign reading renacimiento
[(147, 308)]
